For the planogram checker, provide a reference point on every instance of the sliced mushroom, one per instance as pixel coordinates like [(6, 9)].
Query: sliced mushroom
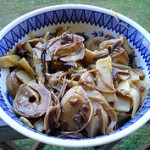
[(87, 81), (121, 74), (76, 109), (57, 82), (60, 30), (65, 45), (117, 49), (72, 83), (120, 56), (87, 78), (112, 42), (32, 100), (91, 57), (13, 83), (51, 119), (93, 43), (57, 65), (74, 70), (20, 51), (72, 135), (73, 58)]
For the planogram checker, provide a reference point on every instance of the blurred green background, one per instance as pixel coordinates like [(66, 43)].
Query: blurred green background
[(138, 10)]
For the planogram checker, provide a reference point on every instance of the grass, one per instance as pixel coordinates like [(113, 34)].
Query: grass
[(138, 10), (135, 140)]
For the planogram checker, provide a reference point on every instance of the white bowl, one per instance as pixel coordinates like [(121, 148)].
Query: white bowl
[(90, 21)]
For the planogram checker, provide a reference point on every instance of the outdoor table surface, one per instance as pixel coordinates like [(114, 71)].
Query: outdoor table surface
[(7, 133)]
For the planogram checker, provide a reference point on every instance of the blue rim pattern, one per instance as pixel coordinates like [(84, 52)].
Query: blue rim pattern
[(77, 16)]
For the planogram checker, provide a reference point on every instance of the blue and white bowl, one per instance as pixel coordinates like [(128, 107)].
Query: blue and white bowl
[(90, 21)]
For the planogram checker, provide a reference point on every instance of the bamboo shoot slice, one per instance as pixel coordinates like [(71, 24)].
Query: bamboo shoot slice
[(26, 122), (37, 40), (139, 72), (32, 35), (123, 104), (28, 47), (38, 53), (46, 36), (23, 62), (135, 94), (124, 87), (105, 67), (39, 45), (123, 76), (39, 125), (99, 120), (94, 125), (144, 87), (11, 52), (37, 64), (98, 98), (107, 43), (9, 61), (134, 77), (120, 66), (104, 120), (23, 76)]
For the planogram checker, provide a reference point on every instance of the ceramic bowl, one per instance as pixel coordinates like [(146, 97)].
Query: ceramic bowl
[(90, 21)]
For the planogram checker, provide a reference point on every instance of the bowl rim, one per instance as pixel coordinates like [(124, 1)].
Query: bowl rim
[(70, 142)]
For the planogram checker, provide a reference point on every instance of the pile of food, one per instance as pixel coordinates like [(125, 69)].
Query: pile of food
[(71, 88)]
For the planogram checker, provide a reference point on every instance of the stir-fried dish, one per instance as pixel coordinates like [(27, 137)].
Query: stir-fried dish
[(68, 87)]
